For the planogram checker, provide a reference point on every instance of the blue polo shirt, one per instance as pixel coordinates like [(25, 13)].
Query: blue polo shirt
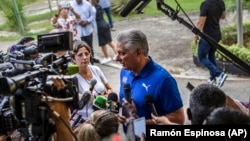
[(156, 81)]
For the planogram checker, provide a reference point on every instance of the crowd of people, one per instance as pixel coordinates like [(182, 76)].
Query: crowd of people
[(153, 93)]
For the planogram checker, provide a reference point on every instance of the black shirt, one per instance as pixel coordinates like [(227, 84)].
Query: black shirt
[(213, 10)]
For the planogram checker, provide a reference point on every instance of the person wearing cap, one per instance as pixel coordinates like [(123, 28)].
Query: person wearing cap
[(65, 22)]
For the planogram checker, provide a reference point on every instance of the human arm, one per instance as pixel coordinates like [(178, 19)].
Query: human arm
[(223, 15), (235, 104), (77, 16), (108, 89), (104, 80), (88, 17), (200, 25), (56, 16), (61, 116), (162, 120), (172, 118)]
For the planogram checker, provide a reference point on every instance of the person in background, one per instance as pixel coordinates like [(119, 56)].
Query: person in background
[(104, 33), (85, 26), (25, 41), (95, 36), (87, 72), (211, 11), (203, 99), (227, 116), (100, 124), (65, 22), (147, 77), (105, 4)]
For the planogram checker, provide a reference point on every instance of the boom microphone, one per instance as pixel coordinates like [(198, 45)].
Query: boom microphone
[(132, 4), (127, 92), (150, 101), (92, 84)]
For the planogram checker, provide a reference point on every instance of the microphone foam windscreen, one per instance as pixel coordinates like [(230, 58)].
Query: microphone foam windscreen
[(72, 69), (113, 97), (127, 87), (148, 99), (93, 82), (100, 102)]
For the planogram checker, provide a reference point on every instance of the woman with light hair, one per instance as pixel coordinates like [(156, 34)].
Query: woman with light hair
[(101, 124)]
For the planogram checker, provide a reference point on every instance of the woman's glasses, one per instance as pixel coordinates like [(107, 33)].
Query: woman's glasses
[(86, 54)]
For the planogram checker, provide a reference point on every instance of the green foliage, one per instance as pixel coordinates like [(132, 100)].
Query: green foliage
[(40, 17), (7, 7), (229, 34), (231, 4)]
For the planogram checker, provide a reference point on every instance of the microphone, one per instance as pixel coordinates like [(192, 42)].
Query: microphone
[(112, 103), (77, 120), (92, 84), (72, 69), (84, 100), (99, 102), (132, 4), (150, 101), (127, 92)]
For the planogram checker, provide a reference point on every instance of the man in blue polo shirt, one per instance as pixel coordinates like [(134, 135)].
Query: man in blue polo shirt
[(146, 77)]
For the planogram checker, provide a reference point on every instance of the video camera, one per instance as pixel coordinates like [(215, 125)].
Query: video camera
[(29, 93), (55, 42)]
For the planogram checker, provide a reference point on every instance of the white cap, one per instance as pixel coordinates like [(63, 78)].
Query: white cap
[(64, 4)]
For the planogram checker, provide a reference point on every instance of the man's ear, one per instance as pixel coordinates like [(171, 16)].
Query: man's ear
[(138, 51), (189, 114)]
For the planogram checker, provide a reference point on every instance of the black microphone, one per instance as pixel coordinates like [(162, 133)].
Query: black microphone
[(112, 103), (150, 101), (127, 92), (131, 5), (77, 120), (92, 84), (113, 97), (84, 100)]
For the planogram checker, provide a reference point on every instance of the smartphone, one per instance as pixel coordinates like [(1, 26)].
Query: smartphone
[(189, 86), (139, 126)]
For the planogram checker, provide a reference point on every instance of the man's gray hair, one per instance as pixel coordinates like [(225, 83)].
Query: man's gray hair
[(134, 39)]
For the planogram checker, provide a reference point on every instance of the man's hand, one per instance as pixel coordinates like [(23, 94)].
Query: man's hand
[(129, 109), (83, 23), (162, 120), (196, 39)]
